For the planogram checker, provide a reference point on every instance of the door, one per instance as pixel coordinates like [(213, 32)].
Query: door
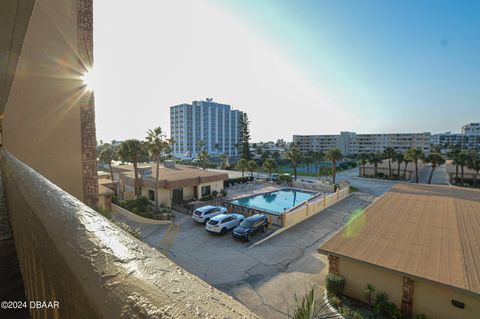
[(195, 192), (177, 196)]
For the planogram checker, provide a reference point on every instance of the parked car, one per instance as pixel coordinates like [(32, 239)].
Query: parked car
[(223, 223), (250, 226), (204, 214), (275, 177)]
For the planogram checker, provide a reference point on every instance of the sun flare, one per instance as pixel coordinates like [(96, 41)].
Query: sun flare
[(88, 80)]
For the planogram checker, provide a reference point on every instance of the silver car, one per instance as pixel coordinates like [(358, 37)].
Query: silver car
[(203, 214), (223, 223)]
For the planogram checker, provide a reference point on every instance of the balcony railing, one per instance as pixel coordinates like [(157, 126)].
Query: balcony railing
[(71, 254)]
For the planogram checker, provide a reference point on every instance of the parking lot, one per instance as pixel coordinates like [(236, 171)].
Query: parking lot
[(264, 277)]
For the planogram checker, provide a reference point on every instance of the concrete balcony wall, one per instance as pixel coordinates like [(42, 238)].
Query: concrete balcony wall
[(69, 253)]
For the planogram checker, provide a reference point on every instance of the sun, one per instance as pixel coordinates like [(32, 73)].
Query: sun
[(88, 80)]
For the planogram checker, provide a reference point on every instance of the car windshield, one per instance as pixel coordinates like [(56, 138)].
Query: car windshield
[(246, 223)]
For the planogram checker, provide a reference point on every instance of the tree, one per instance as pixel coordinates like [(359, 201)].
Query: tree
[(435, 159), (106, 156), (406, 161), (415, 155), (216, 146), (156, 144), (223, 161), (269, 165), (245, 137), (389, 153), (474, 163), (399, 159), (203, 157), (242, 165), (363, 162), (293, 155), (132, 151), (276, 155), (334, 155), (461, 159), (317, 158), (308, 160), (453, 154), (200, 146), (251, 166), (375, 159)]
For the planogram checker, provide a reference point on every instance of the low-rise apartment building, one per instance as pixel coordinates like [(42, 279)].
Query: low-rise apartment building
[(175, 184), (351, 143), (419, 244)]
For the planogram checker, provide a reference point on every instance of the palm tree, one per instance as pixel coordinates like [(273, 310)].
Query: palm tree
[(462, 160), (106, 156), (156, 145), (293, 155), (223, 160), (474, 163), (317, 157), (269, 165), (375, 159), (389, 153), (435, 159), (415, 155), (363, 162), (453, 154), (217, 147), (334, 155), (203, 157), (399, 159), (132, 151), (200, 145), (406, 161), (242, 165), (251, 166)]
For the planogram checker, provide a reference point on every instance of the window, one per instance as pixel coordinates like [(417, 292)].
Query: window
[(151, 195), (206, 190)]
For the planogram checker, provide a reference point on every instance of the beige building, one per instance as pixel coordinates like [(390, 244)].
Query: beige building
[(175, 185), (418, 243)]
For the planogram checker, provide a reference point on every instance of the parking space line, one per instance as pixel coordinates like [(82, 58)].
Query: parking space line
[(167, 240)]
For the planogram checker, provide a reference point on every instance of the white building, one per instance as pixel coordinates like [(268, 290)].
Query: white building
[(351, 143), (468, 139), (216, 124)]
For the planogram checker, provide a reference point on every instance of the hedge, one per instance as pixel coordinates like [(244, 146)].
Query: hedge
[(334, 283), (238, 180)]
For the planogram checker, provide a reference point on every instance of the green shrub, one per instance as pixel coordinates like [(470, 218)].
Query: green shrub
[(422, 316), (335, 302), (238, 180), (137, 205), (334, 283), (369, 292), (383, 308), (223, 192), (381, 175), (214, 193), (206, 198)]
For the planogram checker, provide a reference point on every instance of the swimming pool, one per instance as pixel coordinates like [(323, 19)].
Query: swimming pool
[(275, 202)]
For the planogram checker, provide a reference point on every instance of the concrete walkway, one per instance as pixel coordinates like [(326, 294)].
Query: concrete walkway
[(439, 177)]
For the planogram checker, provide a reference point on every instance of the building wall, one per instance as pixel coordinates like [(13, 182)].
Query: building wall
[(431, 299), (211, 122), (351, 143), (357, 275), (42, 123)]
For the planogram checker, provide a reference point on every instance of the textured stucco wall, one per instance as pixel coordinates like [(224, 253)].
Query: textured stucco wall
[(42, 123), (69, 253)]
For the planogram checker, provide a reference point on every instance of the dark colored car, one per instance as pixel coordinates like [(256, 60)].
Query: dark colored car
[(250, 226)]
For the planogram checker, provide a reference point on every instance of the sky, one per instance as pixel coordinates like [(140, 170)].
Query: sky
[(296, 67)]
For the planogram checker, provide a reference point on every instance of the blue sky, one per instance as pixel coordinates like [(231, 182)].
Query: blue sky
[(297, 67), (398, 58)]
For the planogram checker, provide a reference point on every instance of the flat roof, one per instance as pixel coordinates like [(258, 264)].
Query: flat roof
[(172, 178), (426, 231)]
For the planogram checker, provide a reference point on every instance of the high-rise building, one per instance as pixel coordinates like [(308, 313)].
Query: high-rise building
[(351, 143), (468, 139), (216, 124)]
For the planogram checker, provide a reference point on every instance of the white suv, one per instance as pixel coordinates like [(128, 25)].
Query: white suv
[(223, 223), (203, 214)]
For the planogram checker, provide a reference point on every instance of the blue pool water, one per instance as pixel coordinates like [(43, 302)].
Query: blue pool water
[(276, 201)]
